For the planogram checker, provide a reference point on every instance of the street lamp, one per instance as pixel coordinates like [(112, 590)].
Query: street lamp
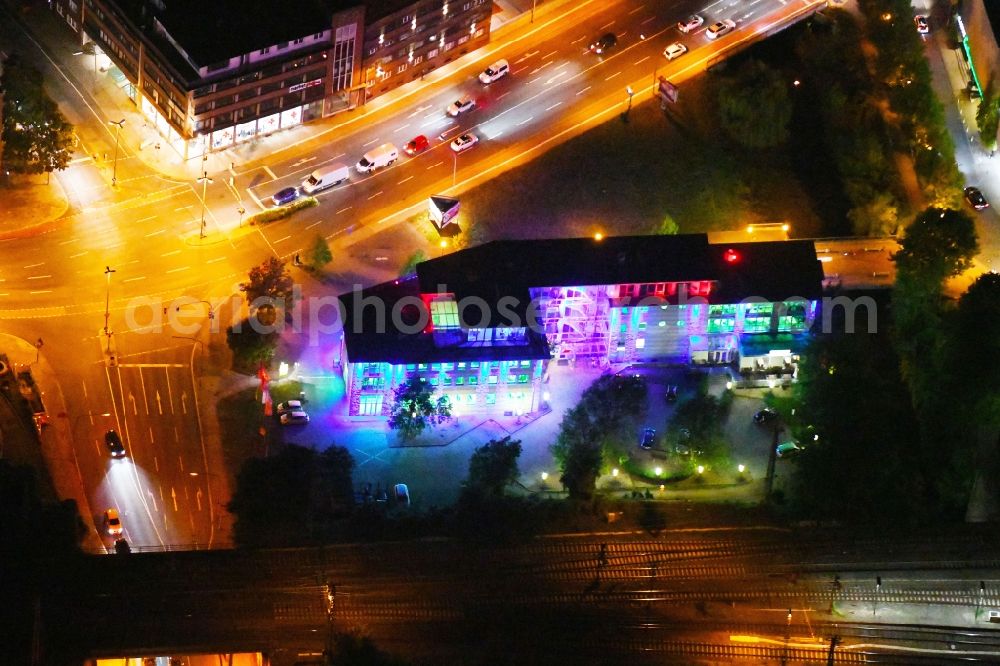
[(454, 171), (118, 128), (107, 301), (629, 92), (204, 180)]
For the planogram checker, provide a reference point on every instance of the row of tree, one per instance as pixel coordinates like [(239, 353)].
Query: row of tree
[(36, 136)]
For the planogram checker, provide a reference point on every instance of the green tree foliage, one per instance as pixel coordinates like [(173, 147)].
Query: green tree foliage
[(865, 464), (974, 335), (415, 409), (268, 288), (319, 253), (251, 347), (410, 267), (666, 227), (36, 136), (600, 424), (701, 417), (988, 117), (939, 244), (292, 498), (754, 106), (494, 465)]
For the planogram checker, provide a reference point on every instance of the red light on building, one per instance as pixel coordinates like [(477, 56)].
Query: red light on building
[(731, 256)]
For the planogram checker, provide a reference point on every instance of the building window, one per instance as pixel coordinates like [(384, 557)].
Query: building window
[(491, 399), (444, 313), (757, 318), (264, 50)]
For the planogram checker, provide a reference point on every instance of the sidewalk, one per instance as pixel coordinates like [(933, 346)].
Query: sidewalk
[(30, 206), (56, 438)]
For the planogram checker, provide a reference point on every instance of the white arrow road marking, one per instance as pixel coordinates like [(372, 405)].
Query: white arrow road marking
[(159, 403), (198, 498), (184, 402), (173, 496), (135, 409)]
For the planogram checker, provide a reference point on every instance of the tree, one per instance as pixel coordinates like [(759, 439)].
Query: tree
[(410, 266), (988, 118), (319, 254), (269, 287), (36, 136), (295, 497), (251, 348), (667, 227), (939, 244), (754, 106), (494, 465), (414, 408)]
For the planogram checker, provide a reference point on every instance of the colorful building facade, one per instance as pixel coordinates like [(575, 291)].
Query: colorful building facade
[(482, 325)]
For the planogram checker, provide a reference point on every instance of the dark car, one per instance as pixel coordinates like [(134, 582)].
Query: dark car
[(648, 437), (287, 195), (765, 415), (604, 43), (114, 444), (417, 144), (976, 198), (671, 393)]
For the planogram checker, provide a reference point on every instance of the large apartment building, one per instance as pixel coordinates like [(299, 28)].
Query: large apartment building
[(209, 75), (482, 325)]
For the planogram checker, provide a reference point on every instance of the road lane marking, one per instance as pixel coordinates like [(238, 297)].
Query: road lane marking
[(283, 238), (79, 254), (155, 233), (71, 240), (400, 129), (584, 90), (313, 224), (342, 210), (34, 265), (38, 277), (145, 397), (527, 120), (647, 20), (639, 62), (550, 81), (212, 261), (171, 253), (32, 293), (404, 180), (549, 55), (563, 65), (553, 106), (365, 145), (637, 9), (503, 95), (178, 270), (540, 68), (374, 195), (606, 25), (613, 75), (134, 279), (270, 173), (434, 165), (151, 217)]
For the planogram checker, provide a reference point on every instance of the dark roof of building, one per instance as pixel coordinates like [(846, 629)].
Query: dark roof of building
[(394, 340), (993, 15), (376, 10), (770, 270), (211, 31)]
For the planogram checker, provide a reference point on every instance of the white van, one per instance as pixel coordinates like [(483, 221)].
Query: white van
[(495, 71), (325, 177), (377, 158)]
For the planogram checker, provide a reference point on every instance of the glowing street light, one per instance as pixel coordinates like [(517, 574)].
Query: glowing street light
[(114, 169)]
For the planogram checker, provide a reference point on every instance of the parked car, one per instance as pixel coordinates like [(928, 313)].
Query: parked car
[(285, 196), (294, 418), (923, 27), (114, 444), (464, 142), (765, 415), (648, 437), (112, 523), (417, 144), (976, 198), (674, 50), (788, 449), (690, 23), (604, 43), (461, 105), (671, 393), (495, 71), (720, 28), (289, 406), (402, 494)]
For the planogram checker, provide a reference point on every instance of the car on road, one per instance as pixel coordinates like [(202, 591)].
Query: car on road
[(297, 417), (671, 395), (788, 449), (720, 28), (976, 198), (402, 494), (495, 71), (289, 406), (923, 27), (112, 523), (648, 437), (464, 142), (461, 105), (604, 43), (417, 144), (285, 196), (675, 50), (765, 415), (692, 22), (114, 444)]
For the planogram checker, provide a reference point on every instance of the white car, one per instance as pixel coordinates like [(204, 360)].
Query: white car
[(289, 406), (112, 523), (690, 23), (294, 418), (464, 142), (461, 105), (675, 50), (495, 71), (720, 28)]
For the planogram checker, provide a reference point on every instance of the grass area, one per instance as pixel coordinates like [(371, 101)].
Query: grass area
[(623, 178)]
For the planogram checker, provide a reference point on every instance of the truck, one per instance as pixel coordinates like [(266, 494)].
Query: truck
[(325, 177), (377, 158)]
